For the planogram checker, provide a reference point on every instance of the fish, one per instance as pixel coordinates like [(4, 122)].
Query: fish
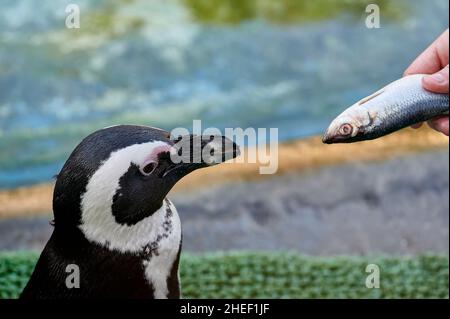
[(400, 104)]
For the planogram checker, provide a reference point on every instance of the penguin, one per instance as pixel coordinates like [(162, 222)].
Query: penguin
[(116, 235)]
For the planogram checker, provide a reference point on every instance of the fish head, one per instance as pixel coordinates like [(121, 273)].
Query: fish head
[(348, 127)]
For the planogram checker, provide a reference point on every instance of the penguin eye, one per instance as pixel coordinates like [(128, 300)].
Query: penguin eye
[(148, 168)]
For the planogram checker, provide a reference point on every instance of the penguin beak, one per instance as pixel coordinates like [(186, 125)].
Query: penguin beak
[(217, 149), (193, 152)]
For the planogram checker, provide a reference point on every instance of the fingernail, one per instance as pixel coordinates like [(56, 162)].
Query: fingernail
[(438, 78)]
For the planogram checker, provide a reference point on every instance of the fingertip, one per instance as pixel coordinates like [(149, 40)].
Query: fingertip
[(416, 68), (440, 124)]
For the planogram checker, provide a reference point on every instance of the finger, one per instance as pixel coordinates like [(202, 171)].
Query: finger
[(440, 124), (437, 82), (433, 59)]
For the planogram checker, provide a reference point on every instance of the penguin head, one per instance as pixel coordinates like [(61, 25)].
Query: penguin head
[(123, 173)]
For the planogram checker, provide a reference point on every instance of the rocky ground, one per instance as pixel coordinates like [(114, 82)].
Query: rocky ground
[(399, 206)]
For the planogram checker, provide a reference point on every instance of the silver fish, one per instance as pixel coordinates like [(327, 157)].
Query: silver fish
[(400, 104)]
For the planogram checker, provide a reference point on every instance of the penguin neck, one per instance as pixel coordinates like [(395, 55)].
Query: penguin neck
[(141, 238), (152, 245)]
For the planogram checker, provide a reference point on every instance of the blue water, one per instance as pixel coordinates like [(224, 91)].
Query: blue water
[(157, 63)]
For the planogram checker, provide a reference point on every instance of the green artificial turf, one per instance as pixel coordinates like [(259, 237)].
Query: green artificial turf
[(279, 275)]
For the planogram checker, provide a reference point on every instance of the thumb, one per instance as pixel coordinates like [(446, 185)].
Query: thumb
[(437, 82)]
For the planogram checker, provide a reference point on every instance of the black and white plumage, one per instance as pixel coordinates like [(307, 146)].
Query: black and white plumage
[(112, 218)]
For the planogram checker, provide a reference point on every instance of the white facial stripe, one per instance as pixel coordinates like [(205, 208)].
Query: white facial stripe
[(98, 222)]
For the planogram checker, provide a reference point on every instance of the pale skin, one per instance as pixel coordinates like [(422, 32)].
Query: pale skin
[(434, 61)]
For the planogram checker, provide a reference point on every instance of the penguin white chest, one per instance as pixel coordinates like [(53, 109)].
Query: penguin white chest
[(163, 251), (156, 239)]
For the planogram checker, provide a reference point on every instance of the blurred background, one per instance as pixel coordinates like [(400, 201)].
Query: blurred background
[(289, 64)]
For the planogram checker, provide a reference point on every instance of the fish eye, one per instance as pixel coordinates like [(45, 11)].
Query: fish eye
[(346, 129), (148, 168)]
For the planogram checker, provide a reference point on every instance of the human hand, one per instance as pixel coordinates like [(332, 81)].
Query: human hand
[(434, 61)]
